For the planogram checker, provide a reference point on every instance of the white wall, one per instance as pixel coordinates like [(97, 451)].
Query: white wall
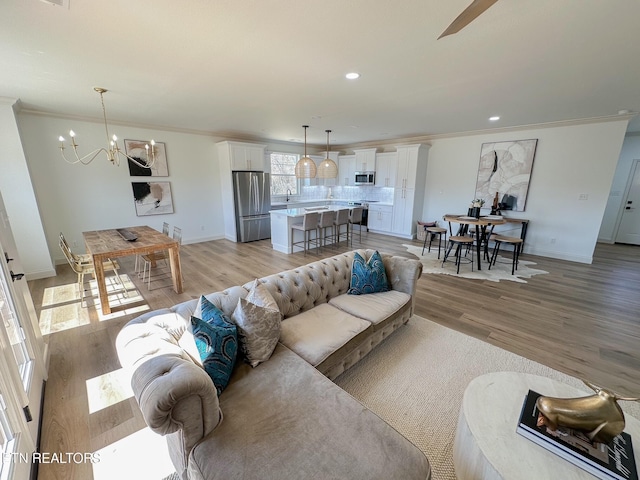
[(20, 198), (613, 212), (76, 198), (569, 161)]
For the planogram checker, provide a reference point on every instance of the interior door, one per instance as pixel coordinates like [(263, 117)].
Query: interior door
[(629, 228)]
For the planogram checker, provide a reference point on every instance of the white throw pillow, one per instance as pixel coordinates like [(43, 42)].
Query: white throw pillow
[(258, 320)]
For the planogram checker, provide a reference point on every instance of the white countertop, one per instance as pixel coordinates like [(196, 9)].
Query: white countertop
[(300, 212)]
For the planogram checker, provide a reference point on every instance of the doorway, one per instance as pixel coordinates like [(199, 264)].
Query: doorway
[(629, 226)]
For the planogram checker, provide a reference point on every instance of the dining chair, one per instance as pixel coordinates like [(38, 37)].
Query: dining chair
[(83, 265), (461, 242), (309, 224), (150, 259), (355, 216), (516, 242), (430, 233), (165, 230)]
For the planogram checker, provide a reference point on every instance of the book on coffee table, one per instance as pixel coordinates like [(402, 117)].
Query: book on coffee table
[(606, 461)]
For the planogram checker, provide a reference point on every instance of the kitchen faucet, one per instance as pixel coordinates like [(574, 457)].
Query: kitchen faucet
[(288, 193)]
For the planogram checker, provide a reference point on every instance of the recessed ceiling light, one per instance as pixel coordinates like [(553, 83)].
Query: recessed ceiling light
[(495, 118), (352, 75)]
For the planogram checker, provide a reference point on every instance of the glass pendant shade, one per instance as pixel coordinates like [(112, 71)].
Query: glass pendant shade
[(306, 167), (328, 168)]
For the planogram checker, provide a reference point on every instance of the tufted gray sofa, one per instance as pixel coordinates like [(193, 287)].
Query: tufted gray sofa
[(283, 419)]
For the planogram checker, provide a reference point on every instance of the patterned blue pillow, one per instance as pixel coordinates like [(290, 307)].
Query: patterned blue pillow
[(217, 341), (368, 277)]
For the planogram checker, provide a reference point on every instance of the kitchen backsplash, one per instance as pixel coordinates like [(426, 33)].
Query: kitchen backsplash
[(380, 194)]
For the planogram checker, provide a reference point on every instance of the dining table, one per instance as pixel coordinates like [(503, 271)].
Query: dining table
[(481, 225), (122, 242)]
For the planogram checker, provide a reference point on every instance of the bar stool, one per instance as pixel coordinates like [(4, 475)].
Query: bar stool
[(461, 242), (327, 219), (308, 225), (342, 218), (432, 232), (355, 216), (517, 245)]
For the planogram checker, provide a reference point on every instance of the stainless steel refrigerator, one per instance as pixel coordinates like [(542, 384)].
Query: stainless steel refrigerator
[(252, 196)]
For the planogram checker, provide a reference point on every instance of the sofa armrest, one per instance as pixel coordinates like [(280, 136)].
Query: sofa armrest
[(403, 273), (177, 397)]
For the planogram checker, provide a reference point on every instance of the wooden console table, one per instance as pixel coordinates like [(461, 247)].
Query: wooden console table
[(105, 244)]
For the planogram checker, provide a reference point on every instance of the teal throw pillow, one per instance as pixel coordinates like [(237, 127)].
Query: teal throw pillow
[(368, 277), (217, 342)]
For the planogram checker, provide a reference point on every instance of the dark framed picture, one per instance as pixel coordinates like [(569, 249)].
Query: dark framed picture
[(137, 149), (152, 198)]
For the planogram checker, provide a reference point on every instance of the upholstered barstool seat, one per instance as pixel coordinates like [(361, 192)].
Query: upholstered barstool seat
[(461, 243), (517, 246), (342, 218), (309, 224), (432, 232), (327, 220), (355, 216)]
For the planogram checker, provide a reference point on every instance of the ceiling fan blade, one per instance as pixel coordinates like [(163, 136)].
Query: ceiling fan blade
[(469, 14)]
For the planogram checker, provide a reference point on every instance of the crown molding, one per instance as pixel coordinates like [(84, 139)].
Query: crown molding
[(418, 139)]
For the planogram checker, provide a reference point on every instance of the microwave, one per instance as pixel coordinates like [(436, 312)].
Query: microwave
[(365, 178)]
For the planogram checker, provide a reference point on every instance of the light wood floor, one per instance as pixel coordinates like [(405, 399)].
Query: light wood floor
[(580, 319)]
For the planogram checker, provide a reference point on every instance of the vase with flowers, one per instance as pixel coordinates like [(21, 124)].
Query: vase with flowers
[(474, 208)]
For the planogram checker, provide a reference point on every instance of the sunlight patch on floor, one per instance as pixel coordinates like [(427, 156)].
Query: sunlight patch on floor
[(61, 308), (108, 389), (142, 455)]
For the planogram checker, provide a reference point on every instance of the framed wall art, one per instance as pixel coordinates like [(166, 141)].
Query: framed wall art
[(152, 198), (136, 149), (504, 173)]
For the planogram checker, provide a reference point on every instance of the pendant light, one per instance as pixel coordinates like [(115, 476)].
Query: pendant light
[(328, 168), (306, 167)]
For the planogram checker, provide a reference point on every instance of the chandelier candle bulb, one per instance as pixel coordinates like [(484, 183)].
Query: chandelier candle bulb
[(112, 151)]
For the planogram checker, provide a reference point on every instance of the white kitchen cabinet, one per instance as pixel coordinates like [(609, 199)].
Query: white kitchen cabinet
[(236, 156), (380, 218), (409, 193), (244, 156), (365, 159), (346, 170), (386, 166), (403, 223)]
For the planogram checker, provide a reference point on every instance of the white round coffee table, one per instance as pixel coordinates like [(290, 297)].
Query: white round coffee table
[(487, 446)]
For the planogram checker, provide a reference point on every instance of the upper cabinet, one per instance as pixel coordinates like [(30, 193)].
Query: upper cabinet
[(365, 159), (346, 170), (386, 166), (244, 156), (408, 157)]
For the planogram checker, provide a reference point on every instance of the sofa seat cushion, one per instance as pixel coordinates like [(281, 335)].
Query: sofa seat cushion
[(285, 420), (316, 333), (374, 307)]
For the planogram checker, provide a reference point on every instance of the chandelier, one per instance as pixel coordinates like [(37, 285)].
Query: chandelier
[(113, 151), (328, 168), (306, 167)]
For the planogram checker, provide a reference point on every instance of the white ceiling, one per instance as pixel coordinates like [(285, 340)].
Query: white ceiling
[(262, 68)]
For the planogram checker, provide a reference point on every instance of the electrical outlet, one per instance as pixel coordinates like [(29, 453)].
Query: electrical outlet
[(583, 196), (552, 240), (202, 227), (75, 243)]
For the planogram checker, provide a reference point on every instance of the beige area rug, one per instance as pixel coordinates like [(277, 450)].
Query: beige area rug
[(500, 271), (416, 378)]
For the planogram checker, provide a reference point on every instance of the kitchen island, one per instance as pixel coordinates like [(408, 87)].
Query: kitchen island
[(281, 221)]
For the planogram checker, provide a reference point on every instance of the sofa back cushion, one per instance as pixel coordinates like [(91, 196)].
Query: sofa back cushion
[(305, 287)]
